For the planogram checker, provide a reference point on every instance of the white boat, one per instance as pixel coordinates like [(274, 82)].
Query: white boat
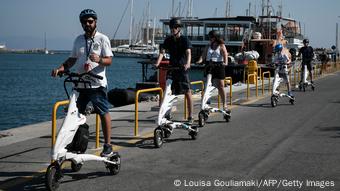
[(2, 46), (135, 51)]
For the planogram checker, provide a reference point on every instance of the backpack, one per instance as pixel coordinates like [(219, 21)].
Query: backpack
[(80, 140)]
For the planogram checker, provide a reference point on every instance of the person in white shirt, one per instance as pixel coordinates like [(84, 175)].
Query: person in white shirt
[(92, 52), (215, 56), (282, 62)]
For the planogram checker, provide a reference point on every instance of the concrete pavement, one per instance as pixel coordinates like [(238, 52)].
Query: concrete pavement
[(288, 144)]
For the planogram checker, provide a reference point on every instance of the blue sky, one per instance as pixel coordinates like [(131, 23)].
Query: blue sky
[(24, 22)]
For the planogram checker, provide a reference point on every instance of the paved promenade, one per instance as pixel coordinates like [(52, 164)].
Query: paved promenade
[(290, 147)]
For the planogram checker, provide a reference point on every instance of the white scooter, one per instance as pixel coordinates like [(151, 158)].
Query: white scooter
[(165, 126), (276, 95), (206, 110), (305, 83), (67, 148)]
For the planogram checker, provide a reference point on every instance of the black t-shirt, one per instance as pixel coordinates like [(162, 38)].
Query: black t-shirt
[(177, 47), (307, 53)]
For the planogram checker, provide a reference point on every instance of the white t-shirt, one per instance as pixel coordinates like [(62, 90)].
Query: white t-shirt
[(82, 49), (214, 55), (281, 60)]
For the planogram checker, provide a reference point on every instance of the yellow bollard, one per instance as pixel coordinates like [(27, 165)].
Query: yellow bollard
[(255, 76), (268, 72), (136, 103)]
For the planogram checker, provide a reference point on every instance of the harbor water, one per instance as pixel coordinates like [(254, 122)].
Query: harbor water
[(28, 92)]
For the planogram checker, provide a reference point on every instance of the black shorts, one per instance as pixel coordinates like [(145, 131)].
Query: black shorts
[(216, 69), (180, 81), (308, 63)]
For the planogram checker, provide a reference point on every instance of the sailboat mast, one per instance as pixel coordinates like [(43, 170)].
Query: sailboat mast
[(148, 24), (131, 20)]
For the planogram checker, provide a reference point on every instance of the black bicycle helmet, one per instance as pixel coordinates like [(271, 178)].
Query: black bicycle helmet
[(86, 13), (305, 41), (214, 34), (174, 23)]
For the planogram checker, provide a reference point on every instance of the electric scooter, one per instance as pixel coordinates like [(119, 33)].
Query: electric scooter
[(165, 125), (206, 110), (305, 83), (64, 148), (276, 95)]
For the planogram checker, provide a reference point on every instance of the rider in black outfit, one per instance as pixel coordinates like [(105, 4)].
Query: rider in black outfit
[(307, 57)]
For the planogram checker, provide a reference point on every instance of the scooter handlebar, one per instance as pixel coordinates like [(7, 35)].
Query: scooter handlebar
[(171, 67), (73, 74)]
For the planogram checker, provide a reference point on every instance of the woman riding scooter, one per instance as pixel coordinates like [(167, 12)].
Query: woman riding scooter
[(216, 58)]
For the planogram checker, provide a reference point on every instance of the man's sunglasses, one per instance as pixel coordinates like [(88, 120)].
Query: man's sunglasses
[(87, 21)]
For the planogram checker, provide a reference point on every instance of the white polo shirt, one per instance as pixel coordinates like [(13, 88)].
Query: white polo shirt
[(83, 48)]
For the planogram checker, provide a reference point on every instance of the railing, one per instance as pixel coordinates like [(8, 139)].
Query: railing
[(255, 79), (54, 122), (185, 100), (230, 92), (136, 103), (262, 79)]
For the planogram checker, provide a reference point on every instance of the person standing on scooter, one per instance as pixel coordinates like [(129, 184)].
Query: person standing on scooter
[(92, 52), (282, 61), (307, 53), (179, 48), (216, 58)]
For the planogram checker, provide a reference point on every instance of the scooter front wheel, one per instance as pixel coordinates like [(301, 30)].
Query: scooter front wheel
[(114, 168), (52, 177), (158, 137)]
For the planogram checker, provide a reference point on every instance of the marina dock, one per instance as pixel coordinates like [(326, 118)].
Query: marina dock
[(267, 148)]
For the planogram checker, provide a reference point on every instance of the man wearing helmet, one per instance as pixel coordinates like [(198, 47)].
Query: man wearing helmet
[(307, 56), (282, 61), (92, 52), (179, 48)]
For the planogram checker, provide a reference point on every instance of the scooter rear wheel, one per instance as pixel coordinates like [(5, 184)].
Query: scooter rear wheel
[(52, 177), (76, 167), (227, 117), (193, 133), (158, 137), (202, 116), (114, 168), (273, 101)]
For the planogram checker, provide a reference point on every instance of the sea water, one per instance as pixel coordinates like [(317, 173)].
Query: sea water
[(28, 92)]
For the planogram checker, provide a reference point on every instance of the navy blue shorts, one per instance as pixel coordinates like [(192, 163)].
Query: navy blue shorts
[(98, 98), (180, 81)]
